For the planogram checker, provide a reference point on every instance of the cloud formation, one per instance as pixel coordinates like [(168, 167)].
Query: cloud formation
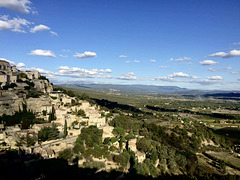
[(212, 70), (215, 78), (15, 24), (40, 27), (53, 33), (207, 62), (152, 60), (21, 6), (229, 67), (75, 72), (122, 56), (127, 76), (40, 52), (136, 61), (86, 54), (209, 81), (183, 59), (231, 53), (21, 65), (236, 43), (172, 77)]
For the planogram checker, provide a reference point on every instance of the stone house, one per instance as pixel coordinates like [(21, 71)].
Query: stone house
[(139, 155), (8, 74), (107, 131)]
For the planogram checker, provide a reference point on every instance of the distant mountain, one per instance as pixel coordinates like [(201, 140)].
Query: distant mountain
[(134, 89)]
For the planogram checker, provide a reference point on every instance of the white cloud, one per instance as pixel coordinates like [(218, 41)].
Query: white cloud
[(77, 72), (127, 61), (63, 56), (179, 74), (215, 78), (207, 62), (172, 77), (15, 24), (40, 52), (20, 65), (136, 61), (163, 66), (235, 72), (209, 81), (86, 54), (53, 33), (127, 76), (236, 43), (108, 70), (231, 53), (165, 78), (212, 70), (66, 50), (122, 56), (152, 60), (229, 67), (171, 59), (40, 27), (16, 5), (183, 59)]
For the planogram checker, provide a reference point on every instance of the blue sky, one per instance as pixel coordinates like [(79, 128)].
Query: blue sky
[(191, 44)]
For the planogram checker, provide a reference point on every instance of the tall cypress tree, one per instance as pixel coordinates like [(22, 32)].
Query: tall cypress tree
[(65, 129)]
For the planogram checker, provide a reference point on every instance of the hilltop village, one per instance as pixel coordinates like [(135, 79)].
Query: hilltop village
[(28, 91), (39, 123)]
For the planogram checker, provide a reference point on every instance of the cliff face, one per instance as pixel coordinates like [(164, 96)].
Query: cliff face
[(39, 104), (10, 103), (43, 85), (13, 99)]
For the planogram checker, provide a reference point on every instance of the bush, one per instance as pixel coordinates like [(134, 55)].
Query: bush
[(43, 78), (54, 98), (23, 75), (48, 133), (94, 165), (122, 158), (66, 154), (12, 85)]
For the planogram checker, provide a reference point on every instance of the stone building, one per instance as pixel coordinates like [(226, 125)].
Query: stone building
[(10, 74)]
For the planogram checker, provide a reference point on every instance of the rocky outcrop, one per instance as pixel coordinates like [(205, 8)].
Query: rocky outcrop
[(10, 103), (39, 104), (43, 85)]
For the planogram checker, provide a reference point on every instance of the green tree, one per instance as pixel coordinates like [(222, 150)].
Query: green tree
[(66, 154), (118, 131), (91, 135), (65, 133), (30, 140), (143, 145), (48, 133), (222, 166), (81, 113)]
